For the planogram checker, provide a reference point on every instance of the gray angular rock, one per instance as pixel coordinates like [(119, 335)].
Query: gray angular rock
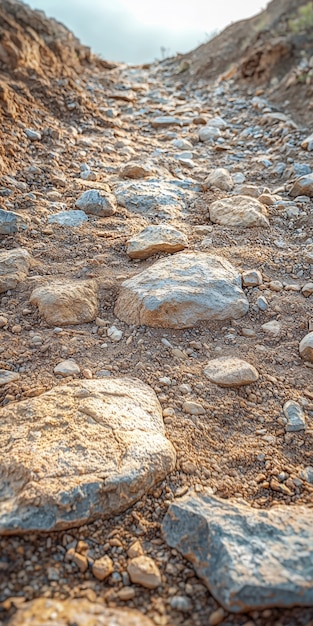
[(163, 121), (11, 222), (93, 202), (295, 417), (33, 135), (14, 266), (303, 187), (180, 291), (153, 239), (84, 450), (238, 211), (248, 558), (230, 372), (7, 377), (152, 198), (68, 218), (67, 302), (81, 612)]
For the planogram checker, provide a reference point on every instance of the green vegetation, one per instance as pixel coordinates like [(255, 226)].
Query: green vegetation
[(303, 21)]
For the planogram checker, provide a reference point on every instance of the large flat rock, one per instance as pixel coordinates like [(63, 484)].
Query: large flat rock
[(248, 558), (153, 198), (81, 612), (238, 211), (14, 266), (81, 451), (180, 291), (153, 239), (67, 302)]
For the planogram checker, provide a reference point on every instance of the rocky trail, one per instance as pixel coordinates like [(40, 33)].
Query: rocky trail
[(156, 421)]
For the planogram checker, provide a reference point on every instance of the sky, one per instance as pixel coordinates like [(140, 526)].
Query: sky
[(140, 31)]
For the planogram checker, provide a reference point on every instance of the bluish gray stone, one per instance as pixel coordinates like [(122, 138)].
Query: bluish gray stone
[(295, 417), (248, 558), (68, 218), (94, 203), (11, 222), (153, 198)]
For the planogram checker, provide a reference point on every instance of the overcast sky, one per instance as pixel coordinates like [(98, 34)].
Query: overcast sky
[(135, 30)]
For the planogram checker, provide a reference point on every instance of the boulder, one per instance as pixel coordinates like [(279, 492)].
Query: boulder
[(85, 450), (11, 222), (94, 203), (303, 187), (14, 266), (248, 558), (153, 239), (68, 302), (239, 211), (180, 291), (80, 612), (230, 372)]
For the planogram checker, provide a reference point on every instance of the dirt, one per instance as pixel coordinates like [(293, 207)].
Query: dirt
[(240, 445)]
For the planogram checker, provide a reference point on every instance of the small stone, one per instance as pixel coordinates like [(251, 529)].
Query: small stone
[(208, 133), (251, 278), (102, 568), (180, 603), (275, 285), (216, 617), (307, 474), (307, 144), (33, 135), (67, 368), (3, 321), (143, 571), (307, 290), (11, 222), (238, 211), (153, 239), (303, 187), (67, 302), (7, 377), (219, 178), (272, 328), (115, 334), (94, 203), (14, 266), (295, 416), (135, 170), (80, 560), (193, 408), (163, 121), (230, 372), (126, 593), (306, 347), (70, 219), (262, 303), (135, 550)]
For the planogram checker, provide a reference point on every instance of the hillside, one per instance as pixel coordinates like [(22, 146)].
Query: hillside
[(156, 329)]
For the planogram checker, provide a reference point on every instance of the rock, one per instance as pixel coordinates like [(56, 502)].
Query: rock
[(193, 408), (262, 303), (248, 558), (207, 133), (114, 333), (272, 328), (307, 474), (230, 372), (11, 222), (68, 218), (7, 377), (157, 199), (216, 617), (238, 211), (251, 278), (307, 290), (180, 603), (295, 417), (86, 450), (67, 368), (303, 187), (182, 144), (93, 202), (307, 144), (79, 559), (143, 571), (64, 303), (33, 135), (153, 239), (180, 291), (135, 170), (306, 347), (102, 568), (80, 612), (275, 285), (164, 121), (219, 178), (14, 266)]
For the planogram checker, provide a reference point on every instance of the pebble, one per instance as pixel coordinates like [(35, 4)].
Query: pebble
[(33, 135), (102, 568), (295, 417), (67, 368), (306, 347), (180, 603), (307, 290), (115, 334), (7, 377), (143, 571), (216, 617), (251, 278), (272, 328), (193, 408), (262, 303)]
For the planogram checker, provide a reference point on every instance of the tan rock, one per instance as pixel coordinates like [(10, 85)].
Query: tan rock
[(153, 239), (64, 303), (67, 368), (135, 170), (143, 571), (87, 449), (81, 612), (239, 211), (135, 550), (180, 291), (303, 186), (14, 266), (102, 568), (219, 178), (230, 372), (306, 347)]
